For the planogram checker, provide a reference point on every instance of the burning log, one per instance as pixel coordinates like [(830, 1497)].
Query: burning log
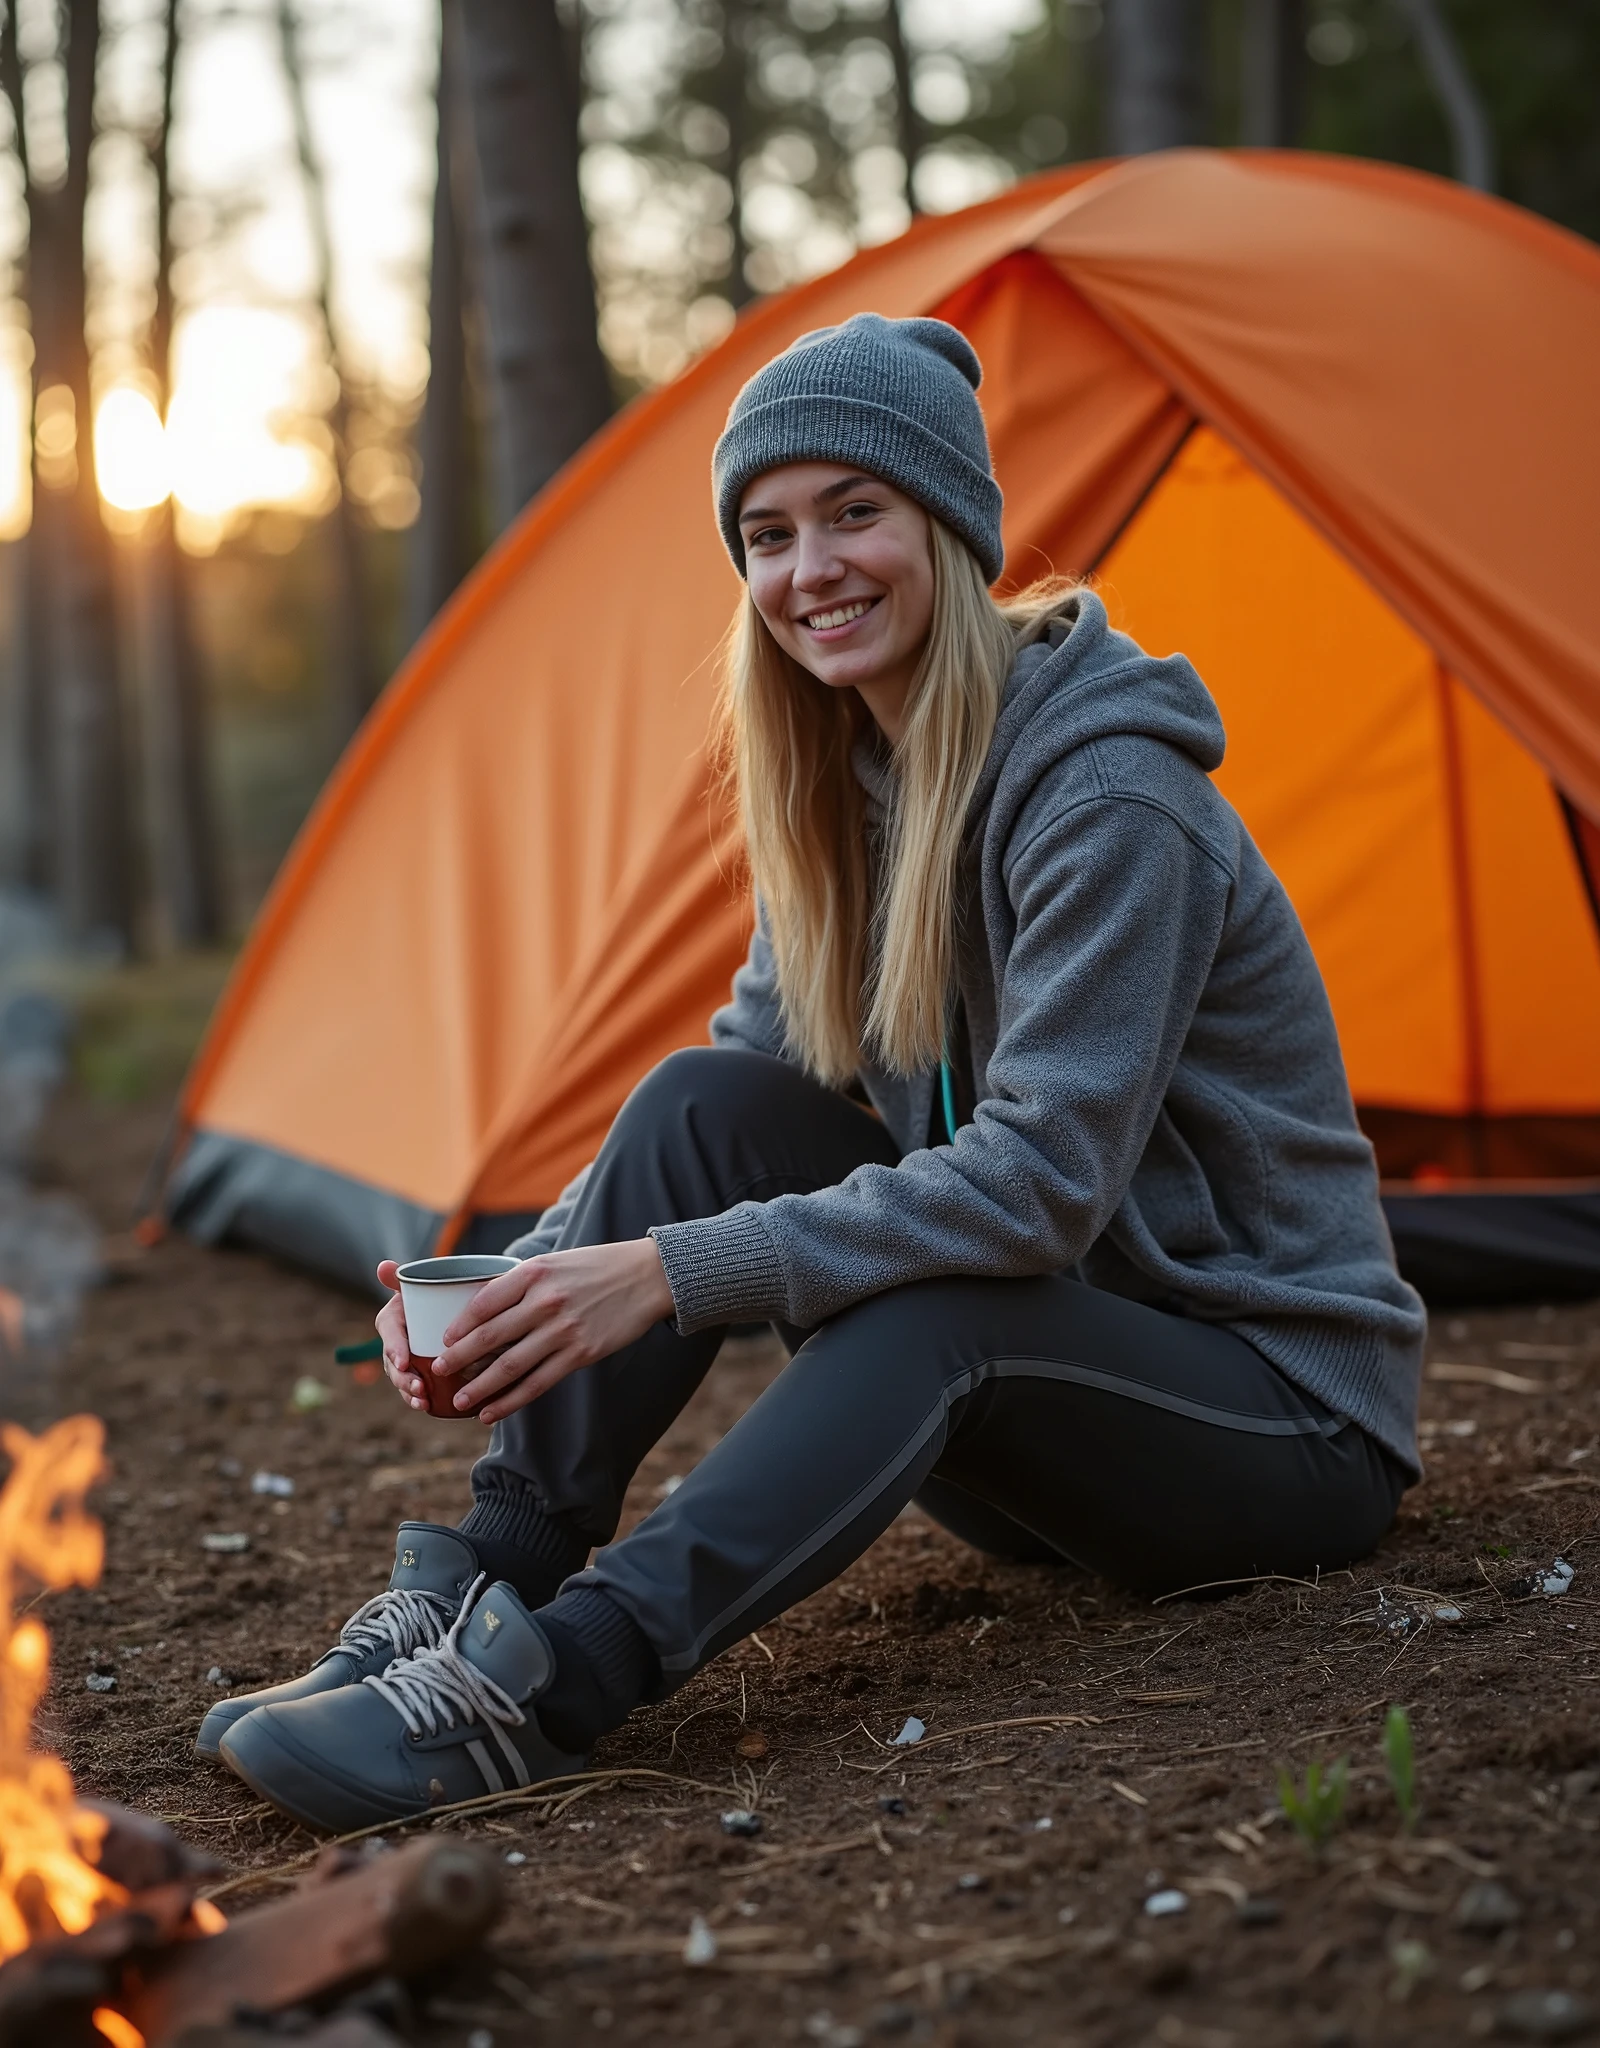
[(102, 1938), (397, 1914), (143, 1968), (59, 1994), (142, 1854)]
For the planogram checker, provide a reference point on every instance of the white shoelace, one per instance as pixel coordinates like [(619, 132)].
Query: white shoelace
[(433, 1688), (402, 1620)]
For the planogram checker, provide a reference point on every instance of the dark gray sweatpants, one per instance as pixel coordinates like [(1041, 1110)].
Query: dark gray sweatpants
[(1037, 1419)]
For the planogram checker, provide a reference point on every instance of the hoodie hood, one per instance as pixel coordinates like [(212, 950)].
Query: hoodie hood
[(1079, 681), (1082, 681)]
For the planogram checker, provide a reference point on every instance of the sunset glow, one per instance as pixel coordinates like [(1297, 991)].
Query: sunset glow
[(130, 452), (237, 434)]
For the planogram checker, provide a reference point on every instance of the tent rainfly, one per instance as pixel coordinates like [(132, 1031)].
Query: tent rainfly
[(1327, 427)]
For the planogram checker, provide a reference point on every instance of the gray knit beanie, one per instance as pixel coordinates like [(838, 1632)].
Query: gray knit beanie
[(893, 397)]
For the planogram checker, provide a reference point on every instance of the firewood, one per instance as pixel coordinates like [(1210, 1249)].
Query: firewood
[(48, 1991), (140, 1853), (401, 1913)]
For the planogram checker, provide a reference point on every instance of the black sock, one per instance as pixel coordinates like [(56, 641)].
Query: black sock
[(517, 1539), (604, 1667)]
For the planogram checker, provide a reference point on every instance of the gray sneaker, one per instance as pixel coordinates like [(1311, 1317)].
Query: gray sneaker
[(452, 1722), (433, 1567)]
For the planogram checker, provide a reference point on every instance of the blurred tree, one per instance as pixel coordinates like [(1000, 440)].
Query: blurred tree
[(31, 841), (1496, 96), (441, 539), (729, 94), (353, 665), (1272, 84), (72, 638), (187, 874), (552, 388), (93, 867), (1158, 55), (766, 139), (908, 121), (1471, 139)]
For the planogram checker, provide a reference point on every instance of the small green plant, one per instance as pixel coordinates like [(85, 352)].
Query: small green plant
[(1316, 1808), (1399, 1754)]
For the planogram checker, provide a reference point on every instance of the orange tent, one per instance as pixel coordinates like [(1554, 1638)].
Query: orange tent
[(1328, 427)]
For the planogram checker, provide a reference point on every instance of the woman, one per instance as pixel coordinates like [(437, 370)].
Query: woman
[(1100, 1275)]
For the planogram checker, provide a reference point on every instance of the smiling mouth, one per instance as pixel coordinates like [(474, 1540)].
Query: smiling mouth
[(840, 615)]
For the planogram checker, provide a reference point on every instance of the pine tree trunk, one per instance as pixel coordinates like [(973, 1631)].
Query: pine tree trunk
[(1157, 53), (1273, 77), (907, 120), (731, 85), (441, 538), (352, 665), (187, 873), (31, 838), (93, 852), (551, 385)]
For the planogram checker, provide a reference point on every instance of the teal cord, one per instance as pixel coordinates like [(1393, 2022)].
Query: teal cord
[(948, 1093)]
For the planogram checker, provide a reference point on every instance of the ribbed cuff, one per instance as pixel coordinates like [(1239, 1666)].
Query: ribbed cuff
[(605, 1666), (722, 1269), (514, 1514)]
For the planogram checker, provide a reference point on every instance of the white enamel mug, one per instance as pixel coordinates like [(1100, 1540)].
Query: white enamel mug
[(433, 1292)]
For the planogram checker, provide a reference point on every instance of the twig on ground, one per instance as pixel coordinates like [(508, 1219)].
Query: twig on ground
[(1255, 1579), (768, 1859), (557, 1800), (589, 1903), (1447, 1371), (1216, 1748), (984, 1958), (1156, 1652), (513, 1987), (713, 1707), (209, 1820)]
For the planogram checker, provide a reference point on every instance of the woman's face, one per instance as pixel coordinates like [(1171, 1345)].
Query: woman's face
[(841, 570)]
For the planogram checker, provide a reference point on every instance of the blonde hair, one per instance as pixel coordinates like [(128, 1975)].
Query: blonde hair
[(852, 975)]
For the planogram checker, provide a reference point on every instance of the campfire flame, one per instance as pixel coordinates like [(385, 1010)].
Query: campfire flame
[(48, 1880)]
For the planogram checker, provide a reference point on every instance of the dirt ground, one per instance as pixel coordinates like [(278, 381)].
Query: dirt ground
[(1084, 1750)]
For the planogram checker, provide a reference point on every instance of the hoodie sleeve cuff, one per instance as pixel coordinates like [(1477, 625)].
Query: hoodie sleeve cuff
[(722, 1269)]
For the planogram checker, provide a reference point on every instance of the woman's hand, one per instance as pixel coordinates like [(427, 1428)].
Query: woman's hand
[(391, 1327), (525, 1331)]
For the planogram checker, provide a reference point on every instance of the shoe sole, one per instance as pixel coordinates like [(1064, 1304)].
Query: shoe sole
[(226, 1715), (217, 1724), (274, 1773)]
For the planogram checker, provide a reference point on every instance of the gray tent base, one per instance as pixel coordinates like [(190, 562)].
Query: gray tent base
[(1458, 1247), (228, 1190), (232, 1191), (1477, 1248)]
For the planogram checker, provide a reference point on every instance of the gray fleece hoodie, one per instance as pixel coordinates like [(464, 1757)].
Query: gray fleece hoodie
[(1160, 1101)]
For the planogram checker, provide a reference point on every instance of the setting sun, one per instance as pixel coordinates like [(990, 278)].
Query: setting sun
[(241, 431), (130, 451)]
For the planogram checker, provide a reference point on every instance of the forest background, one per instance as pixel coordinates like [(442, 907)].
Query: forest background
[(337, 284)]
